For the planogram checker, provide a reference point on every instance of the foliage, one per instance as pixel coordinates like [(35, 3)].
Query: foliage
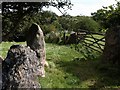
[(49, 22), (15, 13), (52, 37), (86, 23), (16, 21), (78, 22), (86, 52), (66, 22), (108, 16)]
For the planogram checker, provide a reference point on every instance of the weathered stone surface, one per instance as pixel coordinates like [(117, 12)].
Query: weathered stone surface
[(111, 51), (1, 59), (21, 68), (35, 40)]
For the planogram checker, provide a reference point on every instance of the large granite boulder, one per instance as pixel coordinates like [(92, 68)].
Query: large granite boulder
[(35, 40), (21, 68)]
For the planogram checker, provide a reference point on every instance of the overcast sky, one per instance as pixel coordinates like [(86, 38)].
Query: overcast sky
[(84, 7)]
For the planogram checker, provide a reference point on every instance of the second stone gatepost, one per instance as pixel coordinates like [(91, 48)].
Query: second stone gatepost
[(35, 40)]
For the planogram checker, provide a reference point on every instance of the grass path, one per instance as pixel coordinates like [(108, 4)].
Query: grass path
[(66, 70)]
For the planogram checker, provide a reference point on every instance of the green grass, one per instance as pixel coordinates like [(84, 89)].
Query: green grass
[(68, 69), (4, 46)]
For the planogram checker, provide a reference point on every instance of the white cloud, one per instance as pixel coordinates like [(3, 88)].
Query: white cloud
[(85, 7)]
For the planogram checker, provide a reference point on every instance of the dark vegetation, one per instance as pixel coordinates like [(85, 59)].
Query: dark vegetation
[(52, 25), (108, 17), (17, 20)]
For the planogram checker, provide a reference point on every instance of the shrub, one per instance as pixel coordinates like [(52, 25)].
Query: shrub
[(52, 37), (86, 23)]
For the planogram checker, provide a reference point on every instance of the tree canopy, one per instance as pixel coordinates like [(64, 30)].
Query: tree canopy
[(17, 17), (108, 16), (15, 13)]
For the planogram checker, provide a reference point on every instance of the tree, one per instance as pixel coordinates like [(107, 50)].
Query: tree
[(109, 18), (65, 22), (86, 23), (79, 22), (16, 12)]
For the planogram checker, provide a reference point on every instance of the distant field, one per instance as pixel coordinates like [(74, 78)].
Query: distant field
[(68, 69)]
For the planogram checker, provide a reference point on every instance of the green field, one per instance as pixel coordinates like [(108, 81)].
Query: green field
[(68, 69), (4, 46)]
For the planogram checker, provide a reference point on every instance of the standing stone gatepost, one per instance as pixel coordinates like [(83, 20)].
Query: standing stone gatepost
[(35, 40), (111, 53), (24, 63), (20, 69)]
